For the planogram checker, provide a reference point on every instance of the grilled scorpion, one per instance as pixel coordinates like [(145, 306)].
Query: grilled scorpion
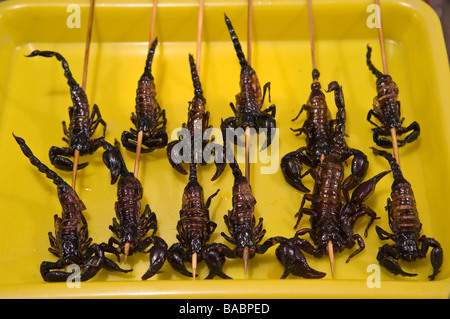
[(82, 126), (333, 213), (318, 128), (194, 231), (149, 118), (386, 108), (71, 243), (246, 235), (406, 226), (249, 101), (131, 226), (197, 126)]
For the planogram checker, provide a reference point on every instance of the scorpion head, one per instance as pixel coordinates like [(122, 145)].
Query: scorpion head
[(244, 238), (70, 254), (329, 230), (407, 246)]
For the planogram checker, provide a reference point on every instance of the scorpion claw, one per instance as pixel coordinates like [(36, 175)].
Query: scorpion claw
[(294, 262), (56, 158), (175, 159), (113, 160), (214, 256), (291, 166), (386, 259), (175, 259), (158, 255)]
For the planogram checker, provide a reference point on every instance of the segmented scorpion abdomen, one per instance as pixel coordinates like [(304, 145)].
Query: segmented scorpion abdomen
[(146, 104)]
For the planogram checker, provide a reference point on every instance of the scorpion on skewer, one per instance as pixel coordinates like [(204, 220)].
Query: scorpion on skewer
[(246, 235), (71, 243), (318, 128), (249, 101), (82, 126), (405, 225), (149, 118), (194, 231), (333, 216), (386, 108), (197, 125), (131, 226)]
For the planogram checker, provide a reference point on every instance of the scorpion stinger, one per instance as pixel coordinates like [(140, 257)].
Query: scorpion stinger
[(131, 226), (82, 125), (71, 243), (405, 225), (386, 109)]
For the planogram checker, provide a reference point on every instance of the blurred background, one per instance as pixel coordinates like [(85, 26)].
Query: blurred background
[(442, 8)]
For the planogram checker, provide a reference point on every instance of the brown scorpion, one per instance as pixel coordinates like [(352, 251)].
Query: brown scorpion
[(405, 225), (82, 126), (149, 118), (131, 226), (71, 243), (249, 101), (197, 126), (386, 108), (194, 231), (246, 235), (333, 213), (318, 128)]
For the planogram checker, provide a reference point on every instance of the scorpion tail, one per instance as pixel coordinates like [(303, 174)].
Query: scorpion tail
[(235, 168), (396, 171), (193, 172), (195, 78), (58, 181), (372, 68), (148, 63), (237, 46), (48, 54)]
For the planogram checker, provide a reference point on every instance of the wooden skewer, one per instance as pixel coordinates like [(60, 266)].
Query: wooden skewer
[(83, 84), (141, 133), (331, 255), (385, 71), (247, 129), (198, 62)]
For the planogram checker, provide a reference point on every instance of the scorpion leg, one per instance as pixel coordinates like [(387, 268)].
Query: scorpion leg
[(383, 141), (58, 158), (302, 210), (176, 257), (387, 258), (369, 117), (129, 141), (158, 255), (214, 257), (99, 120), (176, 159), (414, 127), (291, 166), (356, 238), (268, 123), (158, 141), (436, 256)]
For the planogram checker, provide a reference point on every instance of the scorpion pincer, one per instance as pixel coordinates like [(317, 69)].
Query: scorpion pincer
[(71, 243), (318, 128), (405, 225), (197, 125), (194, 231), (149, 118), (82, 126), (334, 215), (249, 101), (386, 108), (131, 226)]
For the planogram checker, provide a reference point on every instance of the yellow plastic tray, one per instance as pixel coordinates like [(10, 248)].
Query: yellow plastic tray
[(34, 99)]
